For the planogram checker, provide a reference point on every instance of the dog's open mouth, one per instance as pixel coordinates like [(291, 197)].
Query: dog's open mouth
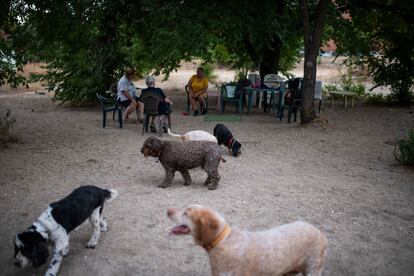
[(180, 230)]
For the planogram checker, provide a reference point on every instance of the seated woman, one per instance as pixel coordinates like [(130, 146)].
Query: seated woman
[(164, 107), (197, 89), (127, 95)]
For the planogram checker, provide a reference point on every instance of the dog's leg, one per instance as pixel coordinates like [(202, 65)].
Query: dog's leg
[(61, 240), (315, 264), (169, 176), (95, 220), (208, 180), (215, 178), (212, 171), (187, 177), (102, 222)]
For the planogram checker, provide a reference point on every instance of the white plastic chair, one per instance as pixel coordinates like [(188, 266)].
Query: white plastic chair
[(318, 94)]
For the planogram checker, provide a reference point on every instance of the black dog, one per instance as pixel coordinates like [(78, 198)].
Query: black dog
[(55, 224), (225, 137)]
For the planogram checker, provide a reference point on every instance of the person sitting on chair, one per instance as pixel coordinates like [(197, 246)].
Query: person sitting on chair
[(164, 107), (197, 89), (127, 95)]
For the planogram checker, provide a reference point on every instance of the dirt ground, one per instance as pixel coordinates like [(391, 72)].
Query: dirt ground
[(341, 177)]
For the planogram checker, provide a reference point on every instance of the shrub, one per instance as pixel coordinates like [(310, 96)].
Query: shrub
[(404, 150), (6, 126), (330, 87), (376, 99)]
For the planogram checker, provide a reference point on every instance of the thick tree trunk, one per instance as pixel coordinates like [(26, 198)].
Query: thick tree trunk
[(312, 35), (269, 64)]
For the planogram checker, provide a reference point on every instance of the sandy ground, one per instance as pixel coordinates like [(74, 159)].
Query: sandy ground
[(342, 178)]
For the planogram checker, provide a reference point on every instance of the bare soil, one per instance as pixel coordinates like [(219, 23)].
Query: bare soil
[(338, 173)]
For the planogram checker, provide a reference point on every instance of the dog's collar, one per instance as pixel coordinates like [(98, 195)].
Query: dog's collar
[(224, 233), (231, 143), (38, 227)]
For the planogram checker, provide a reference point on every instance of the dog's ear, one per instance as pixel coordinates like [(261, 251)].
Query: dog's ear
[(40, 253), (156, 146), (206, 227)]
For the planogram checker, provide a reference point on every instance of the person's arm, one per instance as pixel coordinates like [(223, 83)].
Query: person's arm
[(189, 87), (205, 87), (125, 91), (168, 101), (164, 97)]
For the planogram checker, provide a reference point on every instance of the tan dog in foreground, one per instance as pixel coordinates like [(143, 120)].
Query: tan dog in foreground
[(290, 248)]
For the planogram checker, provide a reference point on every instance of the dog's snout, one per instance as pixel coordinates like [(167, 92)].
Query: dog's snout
[(170, 212), (17, 263)]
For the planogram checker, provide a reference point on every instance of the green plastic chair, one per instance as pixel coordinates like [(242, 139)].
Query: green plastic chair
[(110, 105), (228, 94)]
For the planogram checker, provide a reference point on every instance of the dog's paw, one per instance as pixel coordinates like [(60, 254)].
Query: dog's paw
[(163, 186), (91, 245), (187, 183), (212, 186)]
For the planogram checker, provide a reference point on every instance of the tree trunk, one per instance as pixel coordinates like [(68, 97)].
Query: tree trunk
[(312, 40), (269, 63)]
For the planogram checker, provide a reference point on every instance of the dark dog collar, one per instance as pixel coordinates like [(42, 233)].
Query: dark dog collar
[(230, 143)]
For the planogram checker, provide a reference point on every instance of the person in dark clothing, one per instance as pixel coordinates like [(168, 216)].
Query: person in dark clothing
[(164, 107)]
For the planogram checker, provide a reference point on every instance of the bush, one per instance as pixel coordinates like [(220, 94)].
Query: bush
[(404, 150), (376, 99), (330, 87), (6, 126)]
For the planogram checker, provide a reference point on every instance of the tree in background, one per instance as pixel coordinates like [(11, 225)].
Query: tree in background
[(381, 34), (11, 61), (314, 17)]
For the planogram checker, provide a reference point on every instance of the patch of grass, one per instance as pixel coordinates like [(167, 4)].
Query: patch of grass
[(404, 149)]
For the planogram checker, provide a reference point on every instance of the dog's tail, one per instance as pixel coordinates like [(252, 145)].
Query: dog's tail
[(173, 134), (110, 195)]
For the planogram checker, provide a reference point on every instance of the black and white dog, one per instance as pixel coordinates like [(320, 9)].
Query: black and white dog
[(225, 137), (55, 224)]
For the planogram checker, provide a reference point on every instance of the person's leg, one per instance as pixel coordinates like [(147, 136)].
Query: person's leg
[(193, 102), (202, 102), (140, 107), (131, 108)]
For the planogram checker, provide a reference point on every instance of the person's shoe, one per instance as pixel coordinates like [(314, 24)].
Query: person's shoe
[(204, 111), (196, 113), (152, 128)]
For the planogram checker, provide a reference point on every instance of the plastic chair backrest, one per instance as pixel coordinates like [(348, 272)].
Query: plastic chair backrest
[(103, 99), (151, 102), (114, 89), (230, 91), (272, 80), (318, 90)]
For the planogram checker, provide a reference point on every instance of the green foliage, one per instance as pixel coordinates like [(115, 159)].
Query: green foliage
[(404, 149), (6, 126), (330, 87), (346, 83), (376, 99), (384, 27), (209, 72)]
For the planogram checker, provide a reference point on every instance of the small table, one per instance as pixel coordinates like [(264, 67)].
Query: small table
[(345, 94), (272, 91)]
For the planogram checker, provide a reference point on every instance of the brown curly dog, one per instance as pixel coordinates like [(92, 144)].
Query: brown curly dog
[(182, 156)]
